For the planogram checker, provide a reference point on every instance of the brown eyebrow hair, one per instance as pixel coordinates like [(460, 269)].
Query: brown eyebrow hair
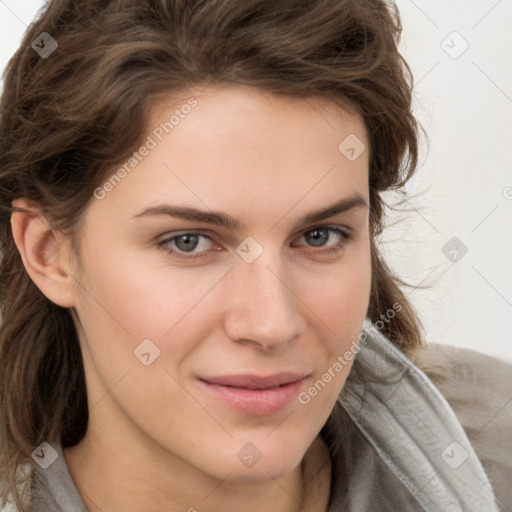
[(356, 200)]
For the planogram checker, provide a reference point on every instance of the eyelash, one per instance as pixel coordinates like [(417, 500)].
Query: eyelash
[(346, 237)]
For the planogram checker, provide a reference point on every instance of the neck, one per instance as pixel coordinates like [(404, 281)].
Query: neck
[(109, 477)]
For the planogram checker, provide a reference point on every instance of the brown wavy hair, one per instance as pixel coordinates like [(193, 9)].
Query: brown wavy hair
[(67, 120)]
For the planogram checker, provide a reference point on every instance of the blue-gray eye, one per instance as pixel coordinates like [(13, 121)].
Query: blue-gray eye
[(186, 242), (317, 237)]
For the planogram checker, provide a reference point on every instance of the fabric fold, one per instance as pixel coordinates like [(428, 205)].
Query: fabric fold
[(414, 430)]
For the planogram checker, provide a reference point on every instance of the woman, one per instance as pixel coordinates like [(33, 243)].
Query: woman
[(196, 314)]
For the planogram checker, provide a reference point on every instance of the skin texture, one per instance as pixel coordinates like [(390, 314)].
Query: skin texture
[(157, 440)]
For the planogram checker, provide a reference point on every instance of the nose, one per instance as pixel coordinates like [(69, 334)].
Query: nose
[(264, 310)]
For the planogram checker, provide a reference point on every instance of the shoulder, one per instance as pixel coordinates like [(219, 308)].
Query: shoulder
[(24, 489), (9, 507), (478, 388)]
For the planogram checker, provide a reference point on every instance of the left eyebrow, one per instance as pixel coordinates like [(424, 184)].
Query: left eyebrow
[(347, 203), (356, 200)]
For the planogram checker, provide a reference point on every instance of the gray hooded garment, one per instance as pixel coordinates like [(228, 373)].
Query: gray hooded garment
[(436, 437)]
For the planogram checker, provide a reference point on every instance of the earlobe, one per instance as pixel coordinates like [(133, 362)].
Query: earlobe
[(43, 253)]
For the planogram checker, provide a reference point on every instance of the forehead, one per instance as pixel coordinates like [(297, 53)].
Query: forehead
[(238, 147), (241, 104)]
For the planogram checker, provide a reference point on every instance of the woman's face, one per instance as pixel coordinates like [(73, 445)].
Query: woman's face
[(207, 270)]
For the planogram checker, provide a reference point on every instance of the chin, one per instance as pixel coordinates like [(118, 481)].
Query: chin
[(265, 459), (265, 471)]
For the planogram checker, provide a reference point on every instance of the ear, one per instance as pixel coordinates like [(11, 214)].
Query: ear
[(44, 252)]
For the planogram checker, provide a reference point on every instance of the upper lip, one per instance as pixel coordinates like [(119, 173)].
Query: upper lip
[(251, 381)]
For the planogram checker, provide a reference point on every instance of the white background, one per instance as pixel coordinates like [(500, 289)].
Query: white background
[(463, 187)]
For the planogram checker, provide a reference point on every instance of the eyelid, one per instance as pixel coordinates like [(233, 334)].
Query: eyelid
[(210, 235), (344, 231), (197, 232)]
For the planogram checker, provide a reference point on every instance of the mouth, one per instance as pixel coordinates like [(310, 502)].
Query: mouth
[(253, 394)]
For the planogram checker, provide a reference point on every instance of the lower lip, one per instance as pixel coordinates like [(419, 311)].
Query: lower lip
[(256, 401)]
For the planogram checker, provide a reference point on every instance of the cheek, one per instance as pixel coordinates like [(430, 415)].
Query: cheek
[(339, 302), (124, 302), (339, 295), (128, 313), (141, 291)]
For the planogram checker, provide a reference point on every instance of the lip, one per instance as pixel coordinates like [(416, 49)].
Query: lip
[(254, 394)]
